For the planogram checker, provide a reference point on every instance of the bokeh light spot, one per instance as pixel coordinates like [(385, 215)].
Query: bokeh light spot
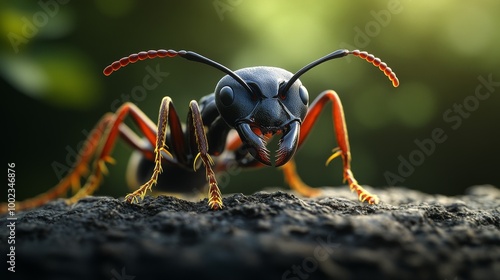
[(115, 8), (414, 106), (469, 30), (370, 108)]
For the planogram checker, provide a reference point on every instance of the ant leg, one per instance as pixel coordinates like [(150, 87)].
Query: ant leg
[(160, 150), (114, 128), (343, 149), (196, 129), (99, 134), (72, 179), (292, 178)]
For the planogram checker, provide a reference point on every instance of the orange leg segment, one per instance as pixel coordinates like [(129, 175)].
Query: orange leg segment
[(294, 181), (342, 150)]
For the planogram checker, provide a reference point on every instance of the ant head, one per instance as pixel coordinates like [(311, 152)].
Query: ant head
[(266, 105), (264, 112)]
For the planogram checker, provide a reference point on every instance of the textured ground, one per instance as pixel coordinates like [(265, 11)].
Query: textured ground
[(268, 235)]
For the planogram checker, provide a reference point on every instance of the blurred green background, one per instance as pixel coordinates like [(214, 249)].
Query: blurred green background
[(53, 52)]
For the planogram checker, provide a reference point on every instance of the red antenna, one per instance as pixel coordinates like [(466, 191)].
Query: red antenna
[(341, 53), (124, 61), (377, 63)]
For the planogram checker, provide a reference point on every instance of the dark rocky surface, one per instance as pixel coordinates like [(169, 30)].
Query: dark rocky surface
[(268, 235)]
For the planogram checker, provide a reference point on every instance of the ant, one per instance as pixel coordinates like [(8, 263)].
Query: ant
[(256, 102)]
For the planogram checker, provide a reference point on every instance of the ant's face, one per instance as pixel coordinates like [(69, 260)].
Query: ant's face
[(264, 112)]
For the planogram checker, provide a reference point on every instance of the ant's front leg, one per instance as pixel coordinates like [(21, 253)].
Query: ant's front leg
[(169, 118), (343, 149), (166, 109), (197, 131)]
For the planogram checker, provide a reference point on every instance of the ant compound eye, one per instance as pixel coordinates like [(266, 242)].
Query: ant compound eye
[(226, 95), (304, 95)]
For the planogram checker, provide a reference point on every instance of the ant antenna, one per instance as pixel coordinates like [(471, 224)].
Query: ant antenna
[(341, 53), (171, 53)]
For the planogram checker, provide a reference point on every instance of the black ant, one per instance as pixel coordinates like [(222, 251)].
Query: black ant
[(257, 102)]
